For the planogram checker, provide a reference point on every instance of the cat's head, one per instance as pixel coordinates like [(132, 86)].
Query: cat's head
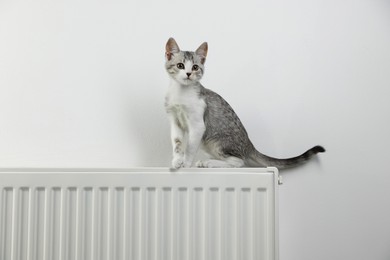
[(186, 67)]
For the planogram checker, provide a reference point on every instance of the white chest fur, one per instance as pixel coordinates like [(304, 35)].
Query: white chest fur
[(184, 104)]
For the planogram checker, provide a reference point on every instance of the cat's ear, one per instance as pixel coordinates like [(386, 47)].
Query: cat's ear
[(202, 52), (171, 48)]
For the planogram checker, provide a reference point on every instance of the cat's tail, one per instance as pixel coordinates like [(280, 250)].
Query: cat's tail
[(258, 159)]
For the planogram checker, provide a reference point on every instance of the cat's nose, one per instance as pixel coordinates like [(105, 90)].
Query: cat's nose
[(188, 74)]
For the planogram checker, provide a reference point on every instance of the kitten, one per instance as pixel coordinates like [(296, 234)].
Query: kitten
[(201, 119)]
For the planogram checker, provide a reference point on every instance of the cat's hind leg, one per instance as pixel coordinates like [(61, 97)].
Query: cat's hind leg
[(229, 162)]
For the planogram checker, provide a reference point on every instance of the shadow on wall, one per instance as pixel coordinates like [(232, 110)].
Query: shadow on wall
[(150, 129)]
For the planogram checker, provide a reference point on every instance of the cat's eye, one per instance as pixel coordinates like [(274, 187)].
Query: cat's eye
[(195, 67), (180, 66)]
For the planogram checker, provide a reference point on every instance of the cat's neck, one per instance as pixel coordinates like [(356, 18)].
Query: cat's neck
[(184, 95), (179, 86)]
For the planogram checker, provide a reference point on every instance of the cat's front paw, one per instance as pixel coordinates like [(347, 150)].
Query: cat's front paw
[(202, 164), (178, 162)]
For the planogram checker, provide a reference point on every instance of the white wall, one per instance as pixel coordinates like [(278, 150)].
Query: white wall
[(82, 84)]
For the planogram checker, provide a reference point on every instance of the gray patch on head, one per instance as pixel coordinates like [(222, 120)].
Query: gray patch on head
[(189, 56)]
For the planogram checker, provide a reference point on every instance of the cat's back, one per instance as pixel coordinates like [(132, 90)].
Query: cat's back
[(217, 106), (219, 115), (224, 127)]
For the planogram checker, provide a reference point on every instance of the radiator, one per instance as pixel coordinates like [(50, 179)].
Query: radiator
[(139, 214)]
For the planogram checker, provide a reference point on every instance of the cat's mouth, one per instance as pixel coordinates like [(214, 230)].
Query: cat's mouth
[(186, 81)]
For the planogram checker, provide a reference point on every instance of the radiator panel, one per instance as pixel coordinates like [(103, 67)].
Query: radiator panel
[(139, 214)]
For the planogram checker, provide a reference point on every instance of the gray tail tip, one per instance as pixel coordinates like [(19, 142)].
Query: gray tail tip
[(318, 149)]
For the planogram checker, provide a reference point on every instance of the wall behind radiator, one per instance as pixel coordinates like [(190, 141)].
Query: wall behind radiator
[(82, 84)]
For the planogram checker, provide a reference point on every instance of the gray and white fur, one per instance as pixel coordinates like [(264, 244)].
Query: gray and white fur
[(202, 119)]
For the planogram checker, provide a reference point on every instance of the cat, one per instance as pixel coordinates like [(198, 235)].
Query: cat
[(202, 119)]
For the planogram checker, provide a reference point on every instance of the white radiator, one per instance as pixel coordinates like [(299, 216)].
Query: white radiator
[(139, 214)]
